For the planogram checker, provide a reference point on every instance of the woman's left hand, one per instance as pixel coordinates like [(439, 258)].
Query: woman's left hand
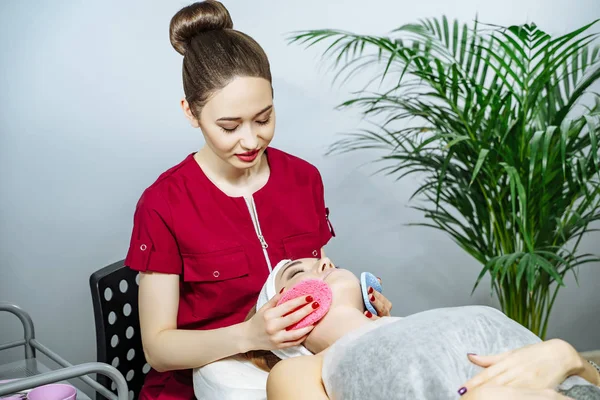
[(379, 302), (542, 365)]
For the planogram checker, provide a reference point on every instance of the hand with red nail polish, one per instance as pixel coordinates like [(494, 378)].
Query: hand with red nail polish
[(380, 303), (270, 328), (542, 365)]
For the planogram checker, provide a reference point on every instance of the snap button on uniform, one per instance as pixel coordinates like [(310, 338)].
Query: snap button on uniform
[(315, 253), (216, 274), (143, 247)]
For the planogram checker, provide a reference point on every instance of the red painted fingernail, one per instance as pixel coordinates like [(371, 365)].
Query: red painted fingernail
[(309, 299), (370, 290), (368, 314), (462, 390), (282, 289), (315, 305), (372, 298)]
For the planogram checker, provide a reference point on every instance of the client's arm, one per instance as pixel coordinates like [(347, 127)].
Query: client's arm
[(588, 372), (297, 379), (537, 366)]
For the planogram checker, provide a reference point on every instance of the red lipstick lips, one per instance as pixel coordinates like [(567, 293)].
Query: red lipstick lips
[(248, 156)]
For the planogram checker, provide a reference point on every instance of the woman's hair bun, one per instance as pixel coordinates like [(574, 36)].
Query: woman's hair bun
[(203, 16)]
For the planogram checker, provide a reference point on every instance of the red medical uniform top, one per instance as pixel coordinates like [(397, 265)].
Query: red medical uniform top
[(185, 225)]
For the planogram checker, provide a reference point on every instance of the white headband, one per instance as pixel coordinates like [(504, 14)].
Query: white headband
[(267, 293)]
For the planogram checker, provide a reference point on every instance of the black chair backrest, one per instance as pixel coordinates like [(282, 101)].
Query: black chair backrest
[(118, 340)]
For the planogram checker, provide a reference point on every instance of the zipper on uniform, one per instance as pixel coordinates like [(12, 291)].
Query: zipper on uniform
[(261, 238)]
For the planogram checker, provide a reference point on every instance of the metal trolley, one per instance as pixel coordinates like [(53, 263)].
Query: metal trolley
[(30, 372)]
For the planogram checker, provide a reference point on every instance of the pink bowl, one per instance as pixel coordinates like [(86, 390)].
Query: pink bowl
[(55, 391)]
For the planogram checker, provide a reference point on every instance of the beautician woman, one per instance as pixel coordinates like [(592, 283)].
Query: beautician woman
[(209, 230)]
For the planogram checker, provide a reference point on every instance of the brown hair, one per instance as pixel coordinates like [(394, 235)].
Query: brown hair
[(213, 52), (263, 359)]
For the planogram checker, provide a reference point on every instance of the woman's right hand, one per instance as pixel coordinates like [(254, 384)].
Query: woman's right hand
[(266, 330)]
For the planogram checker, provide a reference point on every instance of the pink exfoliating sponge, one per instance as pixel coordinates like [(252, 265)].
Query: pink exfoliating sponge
[(321, 293)]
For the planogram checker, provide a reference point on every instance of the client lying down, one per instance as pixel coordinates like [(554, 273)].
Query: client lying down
[(427, 355)]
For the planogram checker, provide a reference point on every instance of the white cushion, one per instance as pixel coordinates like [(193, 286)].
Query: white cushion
[(233, 378)]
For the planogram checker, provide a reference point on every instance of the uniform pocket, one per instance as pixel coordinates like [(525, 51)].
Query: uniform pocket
[(215, 280), (305, 245)]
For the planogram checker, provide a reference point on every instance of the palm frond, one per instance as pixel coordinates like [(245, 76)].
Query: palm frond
[(491, 120)]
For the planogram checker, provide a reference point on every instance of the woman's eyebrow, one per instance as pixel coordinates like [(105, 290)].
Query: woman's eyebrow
[(267, 108)]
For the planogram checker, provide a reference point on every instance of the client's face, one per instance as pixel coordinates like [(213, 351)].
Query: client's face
[(344, 285)]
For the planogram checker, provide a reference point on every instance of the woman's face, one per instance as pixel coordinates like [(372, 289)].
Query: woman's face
[(344, 285), (238, 121)]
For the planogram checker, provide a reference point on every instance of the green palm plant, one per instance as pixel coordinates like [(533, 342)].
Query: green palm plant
[(502, 127)]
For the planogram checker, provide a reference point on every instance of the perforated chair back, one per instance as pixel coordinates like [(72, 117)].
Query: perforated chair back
[(118, 340)]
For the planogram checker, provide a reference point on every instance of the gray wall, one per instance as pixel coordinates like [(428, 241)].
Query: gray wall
[(89, 117)]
